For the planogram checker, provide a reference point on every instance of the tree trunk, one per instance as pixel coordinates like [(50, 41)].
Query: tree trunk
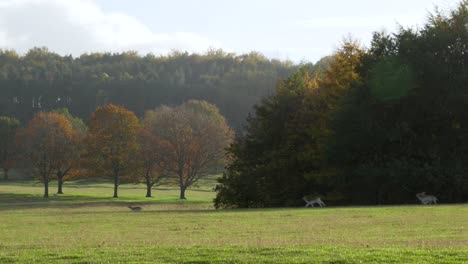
[(116, 184), (46, 188), (181, 180), (148, 190), (5, 174), (60, 183), (182, 192)]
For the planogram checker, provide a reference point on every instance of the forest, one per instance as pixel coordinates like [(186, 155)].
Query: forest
[(42, 80)]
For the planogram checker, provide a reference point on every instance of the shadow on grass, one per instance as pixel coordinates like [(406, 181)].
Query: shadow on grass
[(18, 201)]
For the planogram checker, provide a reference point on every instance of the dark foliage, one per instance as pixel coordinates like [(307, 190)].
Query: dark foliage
[(370, 127), (42, 80)]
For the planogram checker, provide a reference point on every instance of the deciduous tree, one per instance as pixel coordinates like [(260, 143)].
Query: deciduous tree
[(111, 142), (195, 135), (151, 156), (68, 167), (45, 142)]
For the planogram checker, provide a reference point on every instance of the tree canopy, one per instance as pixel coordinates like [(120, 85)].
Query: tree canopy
[(195, 135), (45, 143), (112, 142)]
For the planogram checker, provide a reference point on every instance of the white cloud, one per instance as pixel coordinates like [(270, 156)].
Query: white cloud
[(79, 26)]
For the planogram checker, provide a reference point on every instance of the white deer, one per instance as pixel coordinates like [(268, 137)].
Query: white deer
[(426, 199), (311, 200)]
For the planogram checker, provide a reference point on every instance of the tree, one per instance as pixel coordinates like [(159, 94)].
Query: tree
[(195, 135), (46, 141), (67, 167), (8, 127), (151, 157), (283, 155), (403, 130), (111, 142)]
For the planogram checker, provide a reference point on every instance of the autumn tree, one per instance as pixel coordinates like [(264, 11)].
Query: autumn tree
[(111, 142), (45, 142), (195, 135), (8, 127), (68, 167), (151, 155)]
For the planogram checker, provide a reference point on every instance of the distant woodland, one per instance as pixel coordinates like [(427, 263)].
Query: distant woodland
[(42, 80)]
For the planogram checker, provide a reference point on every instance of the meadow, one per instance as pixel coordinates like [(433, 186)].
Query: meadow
[(86, 225)]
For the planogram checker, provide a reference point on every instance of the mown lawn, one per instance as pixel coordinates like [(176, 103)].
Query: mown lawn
[(85, 225)]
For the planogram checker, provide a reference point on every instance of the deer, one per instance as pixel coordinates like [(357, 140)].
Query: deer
[(135, 208), (312, 200), (426, 199)]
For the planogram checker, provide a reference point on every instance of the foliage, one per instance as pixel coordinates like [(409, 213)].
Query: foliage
[(370, 126), (46, 142), (404, 130), (111, 142), (283, 155), (195, 136), (8, 127), (76, 122), (151, 157), (390, 79), (42, 80), (70, 168)]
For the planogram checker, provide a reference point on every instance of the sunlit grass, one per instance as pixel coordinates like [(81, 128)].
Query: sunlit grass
[(86, 225)]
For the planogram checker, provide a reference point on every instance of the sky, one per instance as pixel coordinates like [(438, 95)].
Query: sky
[(297, 30)]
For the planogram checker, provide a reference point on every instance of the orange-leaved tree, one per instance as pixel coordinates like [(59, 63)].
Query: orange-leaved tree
[(151, 157), (45, 142), (195, 135), (111, 142), (69, 166)]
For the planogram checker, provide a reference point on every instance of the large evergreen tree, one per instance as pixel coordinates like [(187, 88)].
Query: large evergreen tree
[(404, 130)]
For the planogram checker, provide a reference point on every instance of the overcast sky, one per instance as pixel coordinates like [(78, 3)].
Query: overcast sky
[(299, 30)]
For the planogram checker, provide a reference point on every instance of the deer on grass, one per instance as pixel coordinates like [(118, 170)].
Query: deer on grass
[(312, 200), (135, 208), (426, 199)]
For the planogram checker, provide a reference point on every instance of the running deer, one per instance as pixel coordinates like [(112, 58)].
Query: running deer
[(135, 208), (311, 200), (426, 199)]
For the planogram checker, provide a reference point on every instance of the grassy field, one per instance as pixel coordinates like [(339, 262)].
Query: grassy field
[(85, 225)]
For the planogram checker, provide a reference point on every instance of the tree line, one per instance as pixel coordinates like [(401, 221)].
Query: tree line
[(372, 126), (182, 143), (42, 80)]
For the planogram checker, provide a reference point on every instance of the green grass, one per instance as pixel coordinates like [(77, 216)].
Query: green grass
[(85, 225)]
